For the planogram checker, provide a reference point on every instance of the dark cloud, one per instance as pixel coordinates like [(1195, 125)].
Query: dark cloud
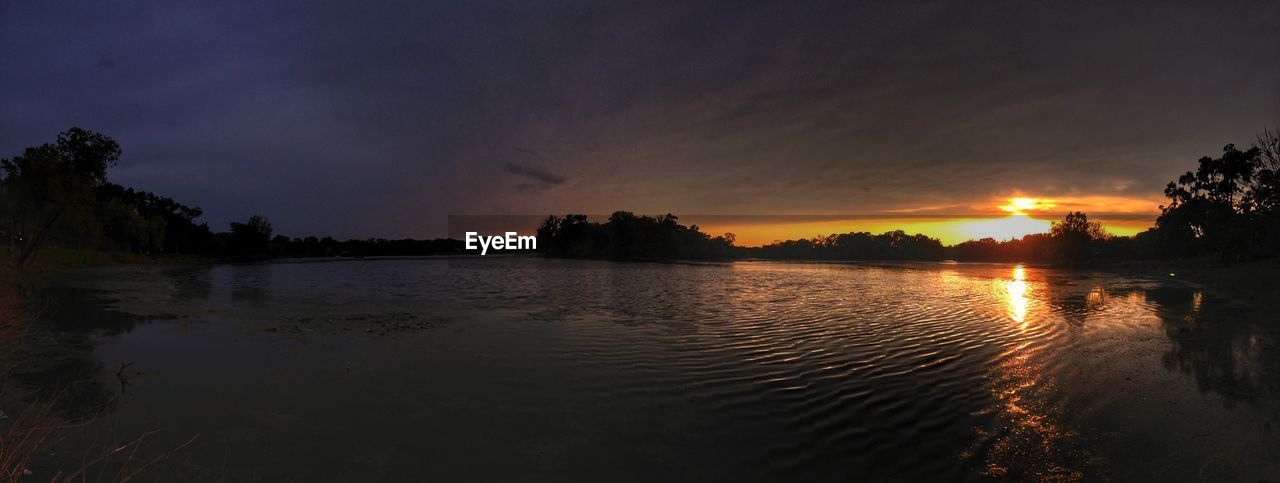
[(537, 173), (408, 111), (541, 176)]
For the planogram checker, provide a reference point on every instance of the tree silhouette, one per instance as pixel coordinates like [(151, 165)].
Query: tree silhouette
[(894, 245), (1268, 142), (47, 190), (250, 240), (1227, 207), (1073, 237), (627, 236)]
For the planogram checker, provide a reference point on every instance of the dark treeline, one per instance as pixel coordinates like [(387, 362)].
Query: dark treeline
[(894, 245), (1075, 239), (311, 246), (626, 236), (252, 240), (57, 195)]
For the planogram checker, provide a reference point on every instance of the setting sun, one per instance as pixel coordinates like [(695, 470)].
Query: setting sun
[(1021, 205)]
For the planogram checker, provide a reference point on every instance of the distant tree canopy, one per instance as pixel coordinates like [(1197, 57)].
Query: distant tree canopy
[(178, 231), (894, 245), (626, 236), (250, 240), (57, 194)]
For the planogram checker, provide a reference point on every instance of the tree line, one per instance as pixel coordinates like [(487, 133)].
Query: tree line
[(627, 236), (57, 194)]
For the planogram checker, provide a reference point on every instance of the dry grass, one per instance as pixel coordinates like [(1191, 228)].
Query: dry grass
[(25, 434), (24, 437), (129, 468)]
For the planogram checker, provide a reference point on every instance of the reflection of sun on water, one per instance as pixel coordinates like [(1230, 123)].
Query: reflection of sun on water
[(1023, 443), (1017, 290)]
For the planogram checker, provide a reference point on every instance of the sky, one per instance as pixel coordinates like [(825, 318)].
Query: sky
[(380, 119)]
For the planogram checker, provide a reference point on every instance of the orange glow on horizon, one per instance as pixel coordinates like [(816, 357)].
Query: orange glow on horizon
[(1092, 204), (1017, 225), (949, 231), (1025, 215)]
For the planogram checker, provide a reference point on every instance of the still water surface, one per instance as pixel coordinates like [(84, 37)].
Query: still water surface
[(534, 369)]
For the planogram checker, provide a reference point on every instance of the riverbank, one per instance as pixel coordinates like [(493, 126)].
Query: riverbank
[(54, 259), (51, 389), (26, 421), (1257, 281)]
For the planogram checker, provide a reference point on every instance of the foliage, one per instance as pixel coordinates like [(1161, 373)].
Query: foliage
[(1030, 248), (180, 234), (57, 194), (1072, 239), (894, 245), (251, 239), (626, 236), (47, 191), (1227, 208), (1268, 144)]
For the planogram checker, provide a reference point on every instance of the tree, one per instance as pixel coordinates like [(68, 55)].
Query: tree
[(1077, 222), (1073, 237), (48, 190), (125, 227), (252, 239), (1225, 207), (627, 236), (181, 233), (1268, 143)]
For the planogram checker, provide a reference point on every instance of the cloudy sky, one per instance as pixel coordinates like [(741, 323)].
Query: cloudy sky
[(360, 119)]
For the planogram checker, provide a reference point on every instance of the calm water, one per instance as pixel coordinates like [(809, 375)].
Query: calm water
[(533, 369)]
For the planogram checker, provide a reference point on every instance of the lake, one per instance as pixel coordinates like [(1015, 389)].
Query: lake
[(544, 369)]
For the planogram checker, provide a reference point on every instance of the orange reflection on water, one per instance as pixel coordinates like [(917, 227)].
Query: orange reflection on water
[(1017, 292), (1023, 443)]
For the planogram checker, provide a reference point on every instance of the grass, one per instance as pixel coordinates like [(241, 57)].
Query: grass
[(27, 433)]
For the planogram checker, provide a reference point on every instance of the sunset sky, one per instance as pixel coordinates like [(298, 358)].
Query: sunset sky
[(355, 120)]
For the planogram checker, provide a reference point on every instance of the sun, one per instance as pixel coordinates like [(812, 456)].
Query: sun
[(1019, 205), (1018, 224)]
